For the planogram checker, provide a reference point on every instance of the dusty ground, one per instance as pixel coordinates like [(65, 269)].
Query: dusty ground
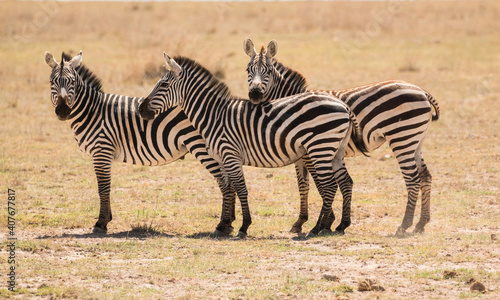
[(282, 265)]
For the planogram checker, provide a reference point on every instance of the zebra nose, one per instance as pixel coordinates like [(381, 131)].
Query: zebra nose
[(62, 99), (256, 86)]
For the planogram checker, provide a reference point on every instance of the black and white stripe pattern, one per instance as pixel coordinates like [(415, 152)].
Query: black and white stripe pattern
[(390, 111), (108, 128), (312, 125)]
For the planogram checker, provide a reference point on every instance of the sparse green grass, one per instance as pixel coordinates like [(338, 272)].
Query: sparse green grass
[(158, 244)]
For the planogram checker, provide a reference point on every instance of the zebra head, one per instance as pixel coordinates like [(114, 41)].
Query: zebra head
[(63, 82), (163, 96), (260, 69)]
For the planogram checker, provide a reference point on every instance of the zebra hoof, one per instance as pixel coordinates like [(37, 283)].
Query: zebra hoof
[(400, 233), (418, 230), (295, 230), (99, 230), (226, 230), (241, 235)]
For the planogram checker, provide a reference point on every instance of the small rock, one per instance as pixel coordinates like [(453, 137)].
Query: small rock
[(449, 274), (269, 175), (477, 286), (331, 277), (364, 285), (385, 157), (493, 237), (369, 285), (471, 280)]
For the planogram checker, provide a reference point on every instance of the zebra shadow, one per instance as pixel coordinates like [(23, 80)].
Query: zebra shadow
[(144, 235), (129, 234)]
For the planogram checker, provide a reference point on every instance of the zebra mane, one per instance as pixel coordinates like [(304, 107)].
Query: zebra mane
[(213, 82), (291, 76), (87, 76)]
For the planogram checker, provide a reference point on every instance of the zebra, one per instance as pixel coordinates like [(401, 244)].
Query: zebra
[(108, 128), (313, 125), (394, 111)]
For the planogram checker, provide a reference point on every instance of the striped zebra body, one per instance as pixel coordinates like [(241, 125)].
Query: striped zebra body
[(386, 108), (108, 128), (277, 134), (390, 111)]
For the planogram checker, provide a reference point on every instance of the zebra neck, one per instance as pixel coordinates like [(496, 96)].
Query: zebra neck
[(286, 82), (204, 107), (88, 102)]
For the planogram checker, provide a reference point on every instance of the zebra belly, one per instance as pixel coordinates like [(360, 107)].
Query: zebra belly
[(156, 160), (276, 161)]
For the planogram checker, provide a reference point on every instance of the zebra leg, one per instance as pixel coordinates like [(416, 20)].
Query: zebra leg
[(225, 228), (303, 183), (345, 183), (425, 212), (102, 170), (237, 179), (412, 180), (327, 187), (328, 218), (198, 148), (303, 167)]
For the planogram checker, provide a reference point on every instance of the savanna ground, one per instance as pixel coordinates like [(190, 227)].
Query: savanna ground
[(158, 245)]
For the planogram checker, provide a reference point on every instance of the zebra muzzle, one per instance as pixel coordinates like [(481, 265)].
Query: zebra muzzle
[(144, 110), (255, 95), (63, 111)]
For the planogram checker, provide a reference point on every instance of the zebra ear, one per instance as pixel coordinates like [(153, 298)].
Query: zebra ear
[(76, 61), (168, 66), (50, 60), (175, 67), (272, 49), (172, 65), (249, 48)]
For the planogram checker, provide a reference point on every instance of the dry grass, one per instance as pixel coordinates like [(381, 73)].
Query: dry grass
[(448, 48)]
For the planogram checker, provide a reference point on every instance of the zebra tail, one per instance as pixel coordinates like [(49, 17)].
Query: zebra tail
[(356, 135), (433, 102)]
